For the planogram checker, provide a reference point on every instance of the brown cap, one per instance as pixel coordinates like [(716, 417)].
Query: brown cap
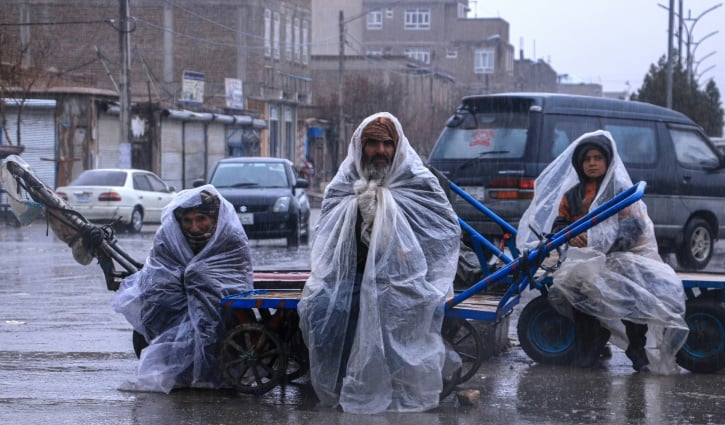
[(209, 206), (380, 128)]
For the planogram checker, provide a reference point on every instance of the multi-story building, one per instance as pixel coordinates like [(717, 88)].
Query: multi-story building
[(434, 33), (227, 77), (384, 40), (438, 33)]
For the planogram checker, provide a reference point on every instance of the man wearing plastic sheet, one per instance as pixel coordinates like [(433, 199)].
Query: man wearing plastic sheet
[(612, 273), (383, 260), (200, 254)]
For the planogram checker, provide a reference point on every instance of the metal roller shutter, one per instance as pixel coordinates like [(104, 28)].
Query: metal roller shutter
[(37, 133)]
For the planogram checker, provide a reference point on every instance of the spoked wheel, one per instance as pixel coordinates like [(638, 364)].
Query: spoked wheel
[(704, 350), (545, 335), (253, 359), (465, 339)]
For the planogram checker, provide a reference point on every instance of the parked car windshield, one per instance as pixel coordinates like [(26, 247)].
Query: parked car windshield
[(492, 135), (250, 174), (100, 178)]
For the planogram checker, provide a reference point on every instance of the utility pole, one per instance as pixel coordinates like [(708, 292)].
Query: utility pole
[(124, 36), (670, 30), (341, 93), (679, 33)]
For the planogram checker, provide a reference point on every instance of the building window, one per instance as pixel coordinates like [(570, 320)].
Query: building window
[(288, 39), (389, 13), (451, 53), (374, 51), (483, 62), (305, 47), (375, 20), (273, 147), (417, 19), (461, 11), (298, 43), (418, 53), (289, 135), (275, 35), (267, 33)]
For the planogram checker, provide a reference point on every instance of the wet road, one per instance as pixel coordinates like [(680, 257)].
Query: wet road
[(64, 354)]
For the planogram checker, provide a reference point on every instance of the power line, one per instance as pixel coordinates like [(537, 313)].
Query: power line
[(194, 38), (27, 24), (211, 21)]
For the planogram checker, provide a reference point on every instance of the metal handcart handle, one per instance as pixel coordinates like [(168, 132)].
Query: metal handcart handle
[(99, 241), (528, 262), (475, 236)]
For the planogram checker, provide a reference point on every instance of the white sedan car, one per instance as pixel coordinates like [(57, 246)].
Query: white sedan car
[(132, 197)]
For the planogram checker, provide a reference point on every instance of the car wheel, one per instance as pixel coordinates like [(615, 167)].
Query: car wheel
[(293, 238), (305, 233), (136, 223), (698, 244)]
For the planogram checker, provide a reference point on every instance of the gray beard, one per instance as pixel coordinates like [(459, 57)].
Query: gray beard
[(374, 172)]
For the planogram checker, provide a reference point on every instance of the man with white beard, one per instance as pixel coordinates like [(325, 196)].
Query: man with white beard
[(383, 260)]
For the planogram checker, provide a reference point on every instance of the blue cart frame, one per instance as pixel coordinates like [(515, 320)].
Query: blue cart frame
[(258, 358)]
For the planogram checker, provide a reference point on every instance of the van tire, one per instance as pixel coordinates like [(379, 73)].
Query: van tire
[(698, 244)]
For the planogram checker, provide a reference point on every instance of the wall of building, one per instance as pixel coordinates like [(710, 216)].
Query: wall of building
[(219, 38), (172, 134), (108, 146)]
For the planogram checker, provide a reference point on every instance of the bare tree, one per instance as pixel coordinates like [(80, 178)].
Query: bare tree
[(22, 74)]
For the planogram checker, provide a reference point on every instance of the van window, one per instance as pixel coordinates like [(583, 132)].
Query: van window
[(569, 128), (636, 141), (492, 136), (692, 150)]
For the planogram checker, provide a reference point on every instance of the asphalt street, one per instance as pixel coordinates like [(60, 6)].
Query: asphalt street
[(65, 355)]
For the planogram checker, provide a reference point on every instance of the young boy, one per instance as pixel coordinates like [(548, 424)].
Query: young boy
[(613, 281)]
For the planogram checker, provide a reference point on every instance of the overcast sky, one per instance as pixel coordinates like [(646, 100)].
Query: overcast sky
[(609, 42)]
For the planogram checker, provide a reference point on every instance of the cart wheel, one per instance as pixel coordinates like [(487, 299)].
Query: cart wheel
[(704, 350), (545, 335), (465, 339), (252, 359), (298, 359)]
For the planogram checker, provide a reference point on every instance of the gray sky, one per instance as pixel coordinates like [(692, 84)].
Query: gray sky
[(609, 42)]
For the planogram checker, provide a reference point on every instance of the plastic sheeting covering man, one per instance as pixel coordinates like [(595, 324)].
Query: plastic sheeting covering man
[(174, 300), (383, 261), (618, 274)]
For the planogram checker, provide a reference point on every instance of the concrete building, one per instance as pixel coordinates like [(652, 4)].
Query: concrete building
[(385, 41), (246, 59)]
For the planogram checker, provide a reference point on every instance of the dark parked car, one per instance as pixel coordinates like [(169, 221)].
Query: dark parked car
[(268, 196)]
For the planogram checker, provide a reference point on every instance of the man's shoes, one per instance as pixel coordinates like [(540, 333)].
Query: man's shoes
[(587, 358), (639, 358), (605, 353)]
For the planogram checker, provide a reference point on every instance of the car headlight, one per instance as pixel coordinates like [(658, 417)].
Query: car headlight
[(282, 204)]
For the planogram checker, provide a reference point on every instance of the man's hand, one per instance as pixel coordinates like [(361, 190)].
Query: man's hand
[(579, 241)]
